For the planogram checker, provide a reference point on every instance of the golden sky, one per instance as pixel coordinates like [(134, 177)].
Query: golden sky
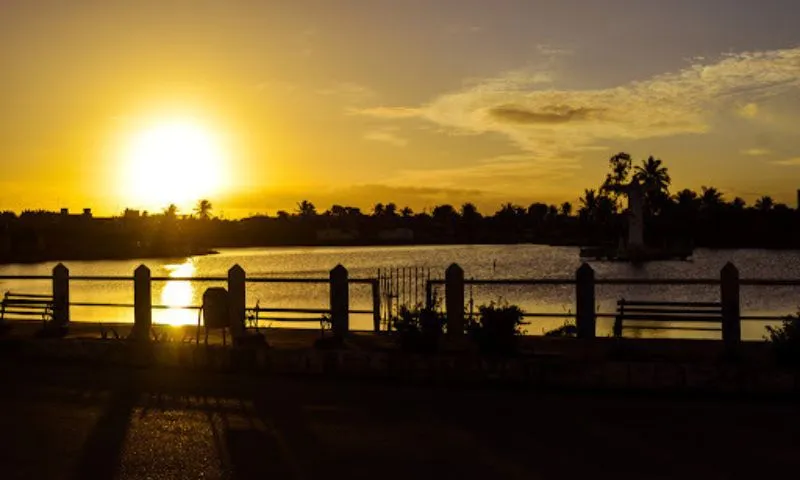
[(417, 102)]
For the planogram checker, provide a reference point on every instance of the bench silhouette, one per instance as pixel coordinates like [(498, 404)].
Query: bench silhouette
[(641, 311), (18, 306)]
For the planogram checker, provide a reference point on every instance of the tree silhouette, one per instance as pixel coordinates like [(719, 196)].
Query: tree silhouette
[(764, 204), (377, 210), (589, 203), (390, 210), (406, 212), (655, 179), (171, 211), (306, 209), (566, 209), (203, 209), (469, 212), (710, 198)]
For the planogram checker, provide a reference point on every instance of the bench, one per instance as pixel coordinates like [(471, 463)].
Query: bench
[(16, 305), (658, 312)]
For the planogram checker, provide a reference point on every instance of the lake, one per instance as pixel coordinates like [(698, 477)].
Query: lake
[(478, 261)]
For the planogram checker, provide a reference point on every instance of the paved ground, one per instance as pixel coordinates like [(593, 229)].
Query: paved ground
[(71, 422)]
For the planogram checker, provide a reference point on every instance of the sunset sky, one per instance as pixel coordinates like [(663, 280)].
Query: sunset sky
[(418, 102)]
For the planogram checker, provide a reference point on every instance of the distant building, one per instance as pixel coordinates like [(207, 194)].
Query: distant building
[(87, 212)]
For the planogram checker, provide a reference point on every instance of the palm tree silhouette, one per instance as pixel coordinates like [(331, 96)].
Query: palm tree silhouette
[(171, 211), (203, 209), (653, 175), (765, 203)]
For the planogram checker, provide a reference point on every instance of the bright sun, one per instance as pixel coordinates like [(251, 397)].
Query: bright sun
[(172, 161)]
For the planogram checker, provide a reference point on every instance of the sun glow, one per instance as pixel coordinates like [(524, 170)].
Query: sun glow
[(174, 161)]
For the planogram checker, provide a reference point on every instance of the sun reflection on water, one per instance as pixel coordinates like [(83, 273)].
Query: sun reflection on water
[(178, 294)]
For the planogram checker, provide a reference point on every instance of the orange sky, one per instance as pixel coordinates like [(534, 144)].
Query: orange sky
[(357, 102)]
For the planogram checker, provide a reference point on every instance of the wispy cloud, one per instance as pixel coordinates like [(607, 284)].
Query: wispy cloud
[(756, 152), (789, 162), (386, 136), (350, 91), (749, 110), (555, 124)]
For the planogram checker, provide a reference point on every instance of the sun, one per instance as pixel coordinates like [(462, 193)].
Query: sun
[(173, 161)]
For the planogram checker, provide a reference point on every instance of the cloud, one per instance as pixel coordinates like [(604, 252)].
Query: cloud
[(388, 112), (551, 51), (386, 136), (555, 114), (789, 162), (749, 110), (560, 124), (756, 152), (351, 91)]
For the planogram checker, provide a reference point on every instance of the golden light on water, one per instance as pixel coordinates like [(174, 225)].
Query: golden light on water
[(172, 161), (178, 294)]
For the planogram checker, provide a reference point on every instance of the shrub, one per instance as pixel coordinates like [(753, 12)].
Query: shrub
[(419, 329), (785, 341), (497, 328), (566, 330)]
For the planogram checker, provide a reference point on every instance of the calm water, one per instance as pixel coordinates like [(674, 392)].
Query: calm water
[(512, 261)]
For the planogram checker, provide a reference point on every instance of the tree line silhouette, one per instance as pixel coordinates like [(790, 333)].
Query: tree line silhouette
[(702, 218)]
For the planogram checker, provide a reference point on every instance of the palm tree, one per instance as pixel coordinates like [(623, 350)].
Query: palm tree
[(711, 197), (390, 210), (171, 211), (738, 204), (765, 203), (653, 175), (378, 210), (620, 165), (566, 209), (406, 212), (589, 203), (306, 209), (203, 209)]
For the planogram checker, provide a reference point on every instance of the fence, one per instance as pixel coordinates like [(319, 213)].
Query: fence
[(338, 281), (586, 313), (399, 287)]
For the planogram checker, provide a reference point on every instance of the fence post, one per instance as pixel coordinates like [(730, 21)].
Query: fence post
[(585, 317), (454, 299), (729, 297), (376, 306), (340, 301), (142, 304), (237, 300), (429, 295), (60, 296)]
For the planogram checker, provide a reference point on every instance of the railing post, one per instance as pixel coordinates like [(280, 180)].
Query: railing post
[(340, 301), (60, 296), (585, 316), (376, 306), (237, 299), (142, 304), (454, 299), (429, 295), (729, 297)]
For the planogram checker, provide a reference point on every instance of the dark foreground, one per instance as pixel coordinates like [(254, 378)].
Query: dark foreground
[(73, 422)]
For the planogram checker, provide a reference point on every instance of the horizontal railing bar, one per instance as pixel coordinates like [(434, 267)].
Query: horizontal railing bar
[(27, 304), (654, 303), (657, 281), (548, 315), (26, 277), (641, 310), (289, 319), (671, 318), (12, 296), (769, 282), (765, 318), (24, 312), (698, 329), (521, 281)]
